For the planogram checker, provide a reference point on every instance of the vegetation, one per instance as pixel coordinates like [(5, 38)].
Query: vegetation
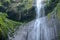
[(51, 6), (58, 11), (7, 25), (8, 8), (12, 12)]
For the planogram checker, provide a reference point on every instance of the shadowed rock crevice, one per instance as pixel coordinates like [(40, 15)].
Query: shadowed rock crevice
[(49, 8)]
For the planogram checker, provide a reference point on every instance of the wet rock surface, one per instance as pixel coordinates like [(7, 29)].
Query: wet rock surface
[(25, 31)]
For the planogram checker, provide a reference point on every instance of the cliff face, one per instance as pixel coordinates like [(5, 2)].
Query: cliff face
[(17, 9), (23, 9)]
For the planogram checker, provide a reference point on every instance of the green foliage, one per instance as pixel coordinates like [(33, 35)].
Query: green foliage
[(7, 25)]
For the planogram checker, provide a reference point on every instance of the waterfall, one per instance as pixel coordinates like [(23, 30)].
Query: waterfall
[(42, 30), (39, 8), (38, 29)]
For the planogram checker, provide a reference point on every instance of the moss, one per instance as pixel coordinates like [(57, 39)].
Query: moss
[(57, 6), (0, 4), (29, 4), (21, 6), (58, 11)]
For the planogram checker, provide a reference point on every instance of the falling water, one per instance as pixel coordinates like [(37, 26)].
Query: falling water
[(42, 31)]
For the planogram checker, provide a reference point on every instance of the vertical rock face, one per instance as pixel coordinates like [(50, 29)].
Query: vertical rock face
[(21, 9), (18, 9)]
